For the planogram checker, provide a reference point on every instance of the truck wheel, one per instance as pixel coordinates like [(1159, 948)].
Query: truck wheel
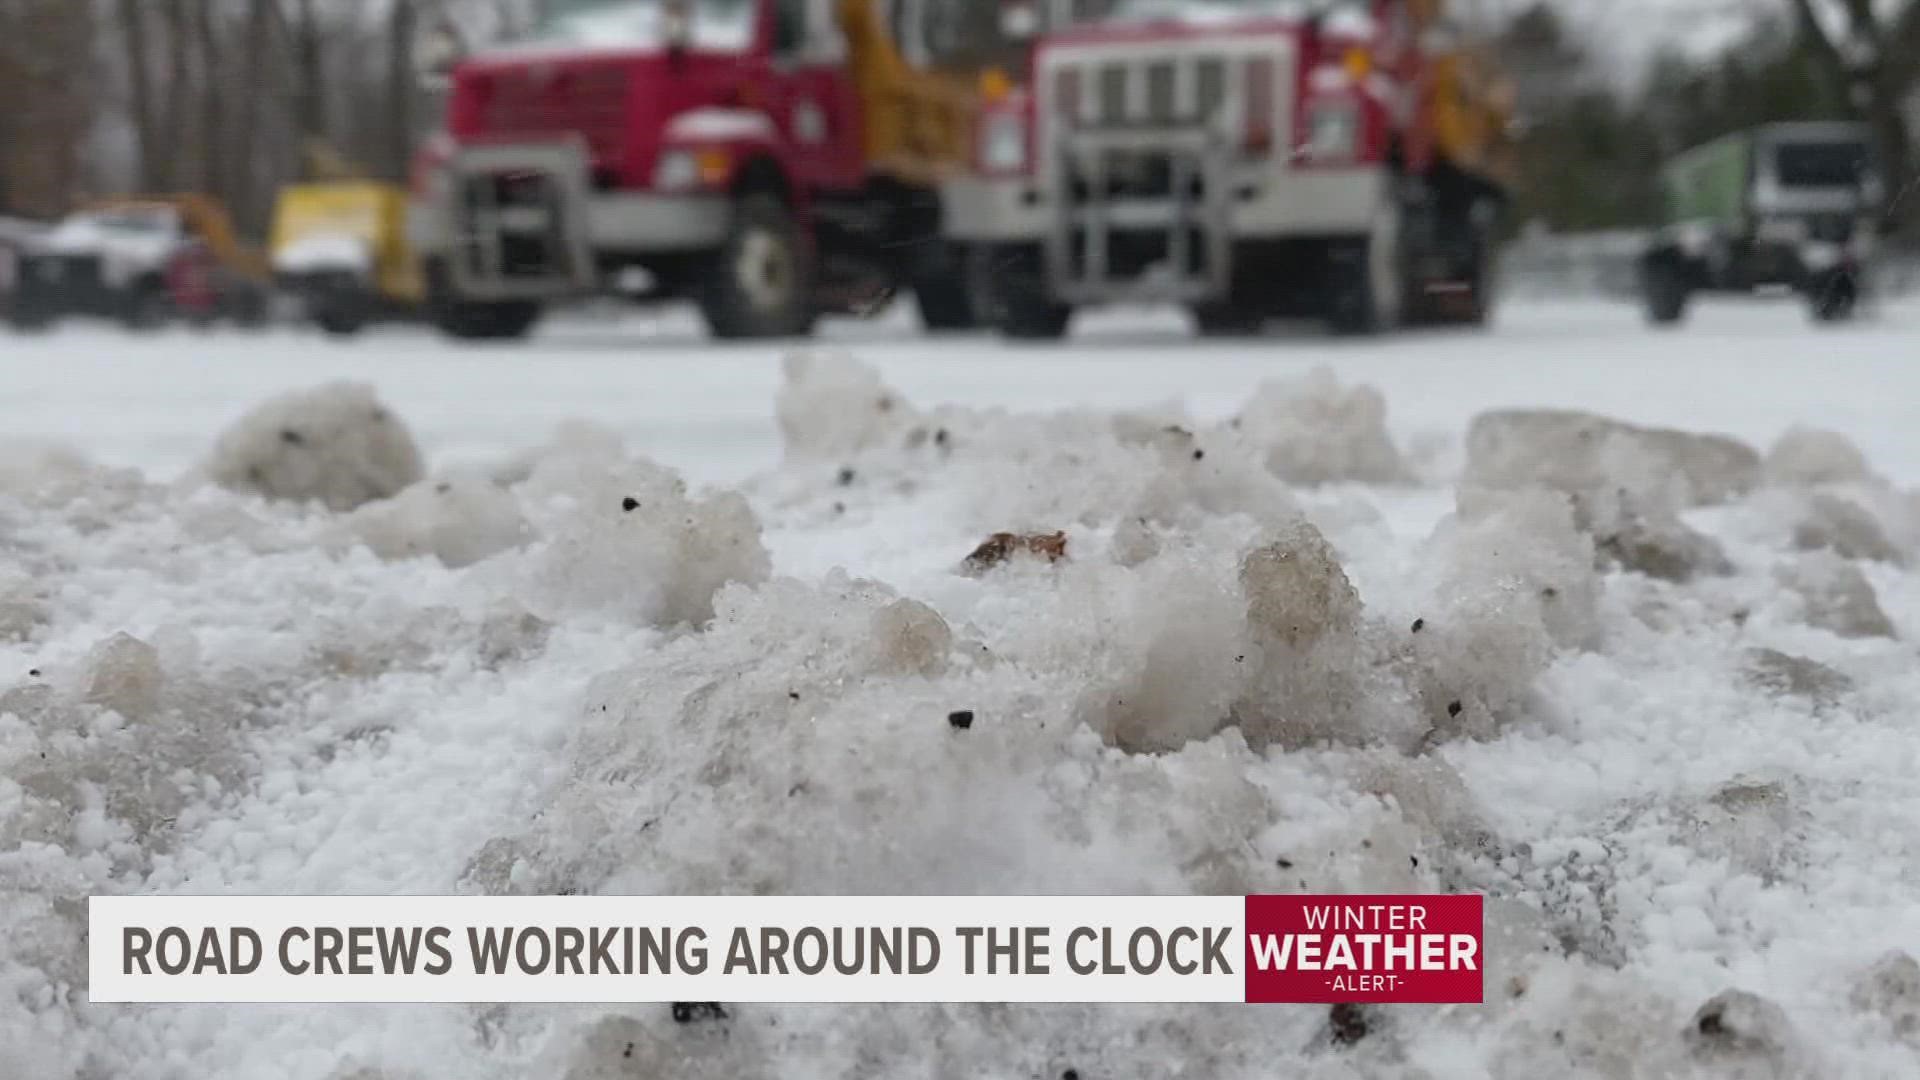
[(761, 285), (472, 321), (1226, 320), (1372, 298), (27, 317), (1835, 298), (1034, 318), (1665, 293), (944, 302), (145, 308), (340, 316), (1009, 289), (475, 320), (249, 308)]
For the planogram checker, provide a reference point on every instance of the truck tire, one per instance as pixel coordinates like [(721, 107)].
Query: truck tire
[(27, 316), (945, 304), (145, 307), (1034, 318), (761, 283), (1370, 294), (1835, 297), (1009, 289), (341, 316), (1664, 291), (476, 320), (472, 321), (250, 307), (1225, 319)]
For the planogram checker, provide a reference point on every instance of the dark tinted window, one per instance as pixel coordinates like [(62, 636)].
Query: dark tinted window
[(1822, 164)]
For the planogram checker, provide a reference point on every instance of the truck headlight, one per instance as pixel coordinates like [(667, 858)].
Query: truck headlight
[(685, 170), (678, 170), (1003, 143), (1333, 131)]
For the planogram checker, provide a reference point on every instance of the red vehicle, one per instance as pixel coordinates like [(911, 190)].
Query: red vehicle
[(1245, 158), (773, 160)]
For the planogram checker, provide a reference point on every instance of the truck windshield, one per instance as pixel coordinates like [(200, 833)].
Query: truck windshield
[(1822, 164), (716, 24)]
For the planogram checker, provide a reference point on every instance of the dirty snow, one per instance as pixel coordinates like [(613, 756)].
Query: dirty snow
[(619, 612)]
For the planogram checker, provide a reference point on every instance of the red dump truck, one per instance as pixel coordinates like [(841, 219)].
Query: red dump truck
[(1343, 160), (771, 160)]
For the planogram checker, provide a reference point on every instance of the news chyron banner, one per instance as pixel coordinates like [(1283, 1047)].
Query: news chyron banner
[(1363, 949)]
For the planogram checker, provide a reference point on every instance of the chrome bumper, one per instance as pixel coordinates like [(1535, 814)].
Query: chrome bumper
[(548, 243)]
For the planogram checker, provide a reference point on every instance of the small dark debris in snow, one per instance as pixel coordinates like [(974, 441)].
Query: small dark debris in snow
[(961, 718), (885, 403), (940, 437), (1453, 708), (1366, 843), (1240, 659), (1199, 454), (628, 1052), (839, 508), (1419, 625), (629, 504), (33, 673), (1415, 860), (1070, 1074), (1284, 864), (1550, 593), (794, 694), (291, 437), (443, 487), (846, 476), (1000, 547), (1349, 1023), (686, 1012)]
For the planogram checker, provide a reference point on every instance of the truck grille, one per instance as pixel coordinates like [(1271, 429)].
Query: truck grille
[(1151, 91), (537, 103)]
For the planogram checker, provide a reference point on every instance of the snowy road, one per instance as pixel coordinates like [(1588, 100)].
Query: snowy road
[(1749, 370), (1650, 694)]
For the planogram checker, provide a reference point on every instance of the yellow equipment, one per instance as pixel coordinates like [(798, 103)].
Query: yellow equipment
[(919, 122), (202, 218), (342, 245), (1471, 104)]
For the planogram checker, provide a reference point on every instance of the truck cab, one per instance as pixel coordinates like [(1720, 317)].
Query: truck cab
[(1244, 158), (1787, 207), (768, 159)]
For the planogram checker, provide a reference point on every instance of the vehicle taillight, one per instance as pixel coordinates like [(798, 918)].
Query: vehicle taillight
[(1258, 141)]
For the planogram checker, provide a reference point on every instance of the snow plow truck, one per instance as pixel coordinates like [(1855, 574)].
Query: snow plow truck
[(771, 160), (1346, 160), (1791, 207)]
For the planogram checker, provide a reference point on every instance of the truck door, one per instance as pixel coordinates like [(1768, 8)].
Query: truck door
[(812, 98)]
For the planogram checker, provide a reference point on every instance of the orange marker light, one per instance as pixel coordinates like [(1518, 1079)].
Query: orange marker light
[(995, 87), (1359, 64)]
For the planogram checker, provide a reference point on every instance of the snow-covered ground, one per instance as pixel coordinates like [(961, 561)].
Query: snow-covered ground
[(1650, 692)]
